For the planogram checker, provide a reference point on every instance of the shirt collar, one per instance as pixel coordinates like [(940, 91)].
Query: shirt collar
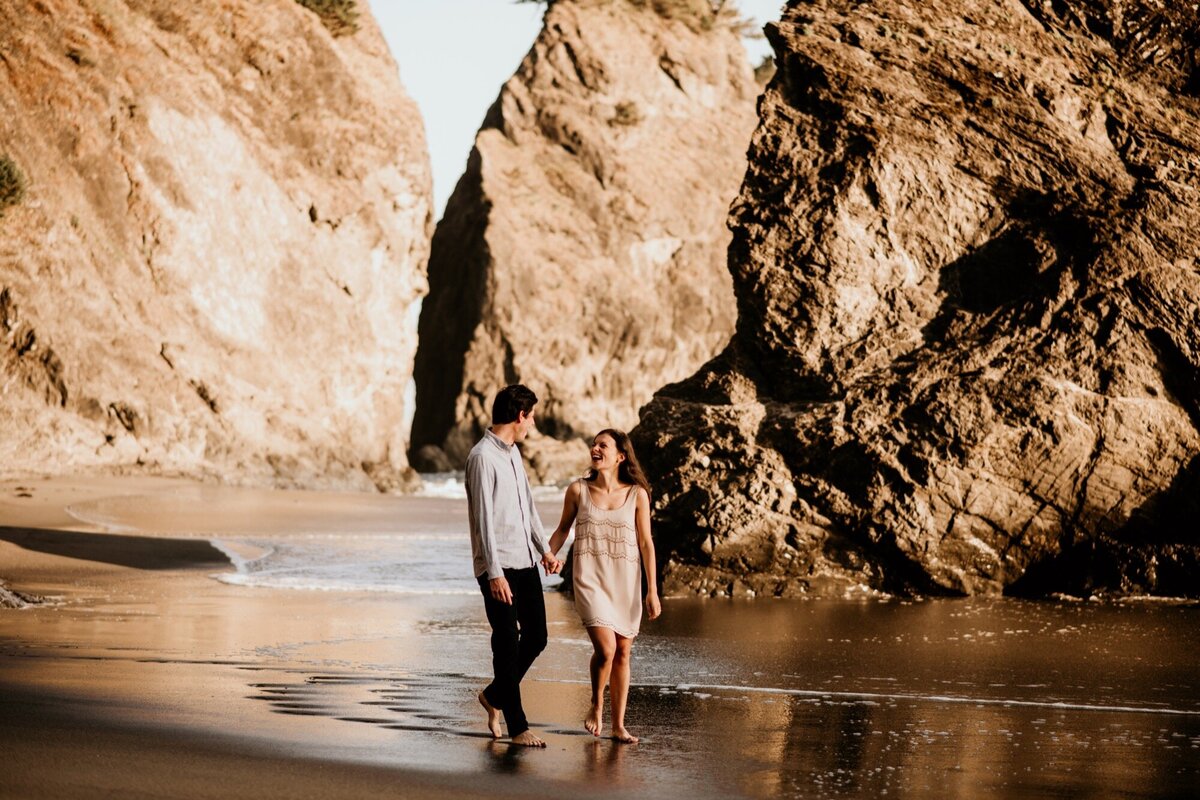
[(496, 440)]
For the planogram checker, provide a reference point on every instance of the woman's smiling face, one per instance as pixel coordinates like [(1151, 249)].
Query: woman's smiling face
[(605, 454)]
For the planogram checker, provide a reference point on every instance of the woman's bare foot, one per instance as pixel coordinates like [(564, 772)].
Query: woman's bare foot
[(527, 739), (493, 715), (623, 736), (594, 720)]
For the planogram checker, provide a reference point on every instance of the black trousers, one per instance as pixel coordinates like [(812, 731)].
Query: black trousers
[(518, 635)]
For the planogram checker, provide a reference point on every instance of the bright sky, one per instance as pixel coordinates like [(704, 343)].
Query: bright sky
[(454, 55)]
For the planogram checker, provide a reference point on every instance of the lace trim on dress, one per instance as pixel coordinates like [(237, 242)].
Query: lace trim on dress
[(602, 536), (588, 551), (591, 542), (597, 622), (596, 536), (607, 523)]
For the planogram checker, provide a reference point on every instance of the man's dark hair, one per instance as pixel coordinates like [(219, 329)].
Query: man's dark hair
[(510, 402)]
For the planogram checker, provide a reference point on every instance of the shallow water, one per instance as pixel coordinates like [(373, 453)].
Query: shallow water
[(378, 658)]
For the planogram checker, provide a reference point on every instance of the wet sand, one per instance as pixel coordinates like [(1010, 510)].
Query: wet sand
[(143, 676), (148, 677)]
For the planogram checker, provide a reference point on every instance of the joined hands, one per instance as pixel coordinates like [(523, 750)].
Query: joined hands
[(551, 564)]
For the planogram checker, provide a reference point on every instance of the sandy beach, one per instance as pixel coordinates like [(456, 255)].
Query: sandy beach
[(141, 675), (207, 642)]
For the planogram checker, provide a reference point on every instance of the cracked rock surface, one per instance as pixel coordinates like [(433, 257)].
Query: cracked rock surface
[(225, 226), (583, 250), (967, 356)]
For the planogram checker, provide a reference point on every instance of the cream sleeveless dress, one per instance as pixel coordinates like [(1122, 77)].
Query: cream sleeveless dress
[(607, 564)]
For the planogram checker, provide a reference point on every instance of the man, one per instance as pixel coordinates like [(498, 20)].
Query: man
[(507, 542)]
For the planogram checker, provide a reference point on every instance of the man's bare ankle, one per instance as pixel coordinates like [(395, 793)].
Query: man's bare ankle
[(529, 739)]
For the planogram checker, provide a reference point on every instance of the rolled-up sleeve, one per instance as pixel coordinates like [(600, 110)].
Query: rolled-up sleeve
[(481, 481)]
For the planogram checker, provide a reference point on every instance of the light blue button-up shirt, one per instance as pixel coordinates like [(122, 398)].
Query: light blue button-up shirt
[(506, 532)]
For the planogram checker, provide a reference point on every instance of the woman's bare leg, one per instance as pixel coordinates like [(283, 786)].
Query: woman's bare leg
[(603, 645), (618, 689)]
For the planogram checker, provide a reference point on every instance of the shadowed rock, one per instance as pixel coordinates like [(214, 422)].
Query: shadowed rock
[(967, 349)]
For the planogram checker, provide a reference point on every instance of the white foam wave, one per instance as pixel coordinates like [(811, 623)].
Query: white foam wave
[(443, 484), (268, 581), (240, 562), (938, 698), (451, 485), (107, 522), (703, 691)]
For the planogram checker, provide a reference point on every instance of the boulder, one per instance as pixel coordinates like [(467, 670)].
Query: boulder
[(10, 598), (967, 357), (583, 250), (214, 263)]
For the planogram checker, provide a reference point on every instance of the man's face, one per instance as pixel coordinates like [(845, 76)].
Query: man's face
[(524, 423)]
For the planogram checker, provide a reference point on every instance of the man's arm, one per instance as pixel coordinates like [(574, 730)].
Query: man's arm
[(481, 483), (540, 540)]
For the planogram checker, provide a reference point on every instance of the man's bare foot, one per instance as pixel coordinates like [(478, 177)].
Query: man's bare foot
[(527, 739), (623, 736), (594, 720), (493, 715)]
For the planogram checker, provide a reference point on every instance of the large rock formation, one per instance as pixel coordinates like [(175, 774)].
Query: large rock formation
[(967, 356), (583, 251), (223, 233)]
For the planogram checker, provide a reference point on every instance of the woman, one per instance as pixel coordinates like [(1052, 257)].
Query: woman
[(611, 511)]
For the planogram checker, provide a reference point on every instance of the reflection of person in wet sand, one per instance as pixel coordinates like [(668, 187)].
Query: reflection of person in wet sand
[(611, 511), (507, 542)]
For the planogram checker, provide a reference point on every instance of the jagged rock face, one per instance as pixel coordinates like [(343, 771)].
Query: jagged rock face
[(968, 340), (226, 222), (583, 251)]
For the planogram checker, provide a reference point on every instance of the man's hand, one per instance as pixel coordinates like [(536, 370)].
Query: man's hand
[(551, 564), (500, 590)]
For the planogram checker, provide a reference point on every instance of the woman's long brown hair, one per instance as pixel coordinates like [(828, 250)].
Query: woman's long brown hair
[(628, 471)]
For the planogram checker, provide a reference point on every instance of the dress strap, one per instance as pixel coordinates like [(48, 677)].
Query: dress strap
[(629, 493), (583, 490)]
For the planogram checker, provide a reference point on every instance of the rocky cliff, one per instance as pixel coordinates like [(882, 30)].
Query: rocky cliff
[(967, 356), (583, 250), (213, 265)]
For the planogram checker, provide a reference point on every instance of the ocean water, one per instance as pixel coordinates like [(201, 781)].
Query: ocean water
[(321, 541), (434, 560), (766, 698)]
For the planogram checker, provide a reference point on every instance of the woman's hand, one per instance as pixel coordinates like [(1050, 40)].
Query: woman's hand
[(653, 607), (551, 564)]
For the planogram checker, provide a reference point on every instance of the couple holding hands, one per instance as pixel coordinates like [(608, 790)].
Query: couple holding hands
[(610, 508)]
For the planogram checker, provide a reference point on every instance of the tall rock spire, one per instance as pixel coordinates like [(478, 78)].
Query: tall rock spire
[(583, 250)]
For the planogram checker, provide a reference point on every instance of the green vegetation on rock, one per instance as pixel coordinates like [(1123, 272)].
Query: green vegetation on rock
[(700, 15), (339, 16), (765, 70), (12, 184), (626, 114)]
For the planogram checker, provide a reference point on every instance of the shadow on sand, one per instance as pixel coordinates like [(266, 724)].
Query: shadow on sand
[(138, 552)]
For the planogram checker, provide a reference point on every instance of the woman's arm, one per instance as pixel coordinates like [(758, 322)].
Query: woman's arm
[(570, 506), (646, 546)]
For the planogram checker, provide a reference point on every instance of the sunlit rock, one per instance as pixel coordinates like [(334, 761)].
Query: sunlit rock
[(214, 267)]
